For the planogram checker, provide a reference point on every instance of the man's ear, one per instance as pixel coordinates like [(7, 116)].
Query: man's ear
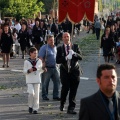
[(98, 81)]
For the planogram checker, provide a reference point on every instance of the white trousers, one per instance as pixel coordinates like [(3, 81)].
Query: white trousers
[(33, 97)]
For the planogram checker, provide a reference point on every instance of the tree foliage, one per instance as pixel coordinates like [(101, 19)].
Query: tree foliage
[(48, 5), (100, 6), (20, 8), (112, 4)]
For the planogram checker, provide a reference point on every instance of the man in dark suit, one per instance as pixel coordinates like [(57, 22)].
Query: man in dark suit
[(68, 55), (105, 103)]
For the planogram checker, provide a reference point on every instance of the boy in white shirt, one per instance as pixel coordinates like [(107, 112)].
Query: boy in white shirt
[(32, 70)]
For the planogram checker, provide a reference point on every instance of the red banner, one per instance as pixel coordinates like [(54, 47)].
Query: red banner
[(76, 9)]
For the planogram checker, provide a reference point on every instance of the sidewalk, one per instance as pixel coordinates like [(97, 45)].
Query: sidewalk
[(13, 95)]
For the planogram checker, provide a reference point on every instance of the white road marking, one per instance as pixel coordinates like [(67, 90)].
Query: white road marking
[(84, 78), (2, 68), (14, 70)]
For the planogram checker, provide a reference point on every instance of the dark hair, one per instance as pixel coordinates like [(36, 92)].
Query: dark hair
[(15, 30), (32, 49), (104, 67), (5, 25)]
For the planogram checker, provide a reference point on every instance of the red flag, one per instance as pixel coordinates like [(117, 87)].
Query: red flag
[(89, 6), (76, 9), (63, 9)]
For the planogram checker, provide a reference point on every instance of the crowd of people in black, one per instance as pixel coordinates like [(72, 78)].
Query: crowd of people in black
[(25, 33), (110, 39)]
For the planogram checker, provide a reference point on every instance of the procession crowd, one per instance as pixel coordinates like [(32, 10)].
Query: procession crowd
[(39, 39)]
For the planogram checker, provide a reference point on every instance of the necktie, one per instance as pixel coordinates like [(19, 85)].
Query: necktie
[(110, 105), (68, 48)]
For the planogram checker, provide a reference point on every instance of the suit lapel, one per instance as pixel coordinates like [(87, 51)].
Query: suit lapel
[(73, 47), (100, 103), (118, 105)]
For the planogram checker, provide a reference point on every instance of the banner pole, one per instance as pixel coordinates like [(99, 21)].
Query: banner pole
[(72, 33)]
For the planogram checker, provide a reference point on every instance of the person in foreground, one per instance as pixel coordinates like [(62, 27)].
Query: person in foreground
[(68, 56), (32, 70), (105, 103)]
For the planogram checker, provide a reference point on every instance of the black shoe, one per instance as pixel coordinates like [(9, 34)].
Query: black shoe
[(62, 108), (112, 58), (30, 110), (35, 112), (45, 98), (71, 112), (23, 57), (57, 99), (3, 66)]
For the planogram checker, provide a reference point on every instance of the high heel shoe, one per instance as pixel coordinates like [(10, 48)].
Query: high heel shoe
[(3, 66)]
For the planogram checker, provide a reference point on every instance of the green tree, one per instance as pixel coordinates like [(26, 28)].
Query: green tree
[(112, 4), (48, 5), (20, 8), (100, 6)]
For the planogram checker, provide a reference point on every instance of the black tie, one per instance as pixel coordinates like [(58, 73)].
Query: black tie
[(68, 48), (110, 105)]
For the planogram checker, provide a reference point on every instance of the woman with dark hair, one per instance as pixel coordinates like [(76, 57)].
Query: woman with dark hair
[(114, 35), (6, 43), (107, 43), (37, 33), (23, 37)]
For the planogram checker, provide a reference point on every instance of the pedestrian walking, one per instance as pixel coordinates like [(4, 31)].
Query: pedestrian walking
[(105, 103), (47, 54), (97, 28), (67, 56), (37, 34), (15, 40), (107, 43), (32, 70), (6, 43), (23, 37)]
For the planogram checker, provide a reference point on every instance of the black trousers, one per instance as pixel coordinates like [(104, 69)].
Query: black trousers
[(70, 84), (97, 33)]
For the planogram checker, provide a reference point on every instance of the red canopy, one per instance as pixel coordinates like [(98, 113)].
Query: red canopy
[(76, 9)]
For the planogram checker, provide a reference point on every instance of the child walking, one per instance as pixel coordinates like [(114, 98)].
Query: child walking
[(32, 70)]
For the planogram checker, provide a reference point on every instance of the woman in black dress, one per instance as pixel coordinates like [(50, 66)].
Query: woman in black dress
[(107, 43), (6, 44), (23, 38), (37, 34)]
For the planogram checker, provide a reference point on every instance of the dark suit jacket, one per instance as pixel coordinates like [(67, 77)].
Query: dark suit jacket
[(60, 59), (93, 108)]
